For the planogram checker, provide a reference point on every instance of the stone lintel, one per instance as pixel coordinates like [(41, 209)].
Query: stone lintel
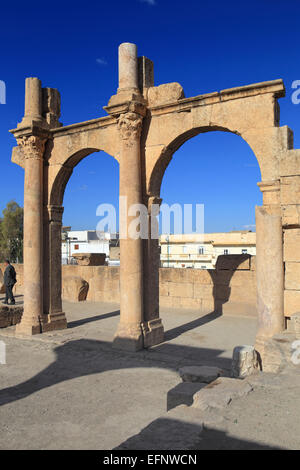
[(85, 126), (33, 129), (275, 87)]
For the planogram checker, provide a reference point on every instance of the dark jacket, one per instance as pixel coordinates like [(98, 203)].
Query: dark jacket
[(10, 276)]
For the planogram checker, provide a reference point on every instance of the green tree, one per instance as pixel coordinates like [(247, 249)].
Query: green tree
[(11, 233)]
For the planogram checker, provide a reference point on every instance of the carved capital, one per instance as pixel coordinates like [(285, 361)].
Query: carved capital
[(130, 127), (32, 146)]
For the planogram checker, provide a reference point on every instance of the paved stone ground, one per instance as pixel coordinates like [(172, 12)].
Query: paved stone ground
[(71, 390)]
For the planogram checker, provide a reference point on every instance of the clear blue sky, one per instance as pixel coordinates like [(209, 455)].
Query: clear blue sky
[(206, 46)]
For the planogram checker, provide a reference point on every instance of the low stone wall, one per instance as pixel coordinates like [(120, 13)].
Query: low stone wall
[(229, 289), (10, 316)]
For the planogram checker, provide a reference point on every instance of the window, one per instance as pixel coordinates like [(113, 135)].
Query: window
[(76, 247), (201, 250), (226, 252), (244, 252)]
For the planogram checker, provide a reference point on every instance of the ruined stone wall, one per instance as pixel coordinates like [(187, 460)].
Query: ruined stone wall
[(291, 256), (230, 289), (290, 206)]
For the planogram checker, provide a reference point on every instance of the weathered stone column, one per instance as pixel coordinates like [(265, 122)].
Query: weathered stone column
[(128, 67), (269, 265), (56, 319), (33, 103), (32, 319), (153, 327), (129, 334)]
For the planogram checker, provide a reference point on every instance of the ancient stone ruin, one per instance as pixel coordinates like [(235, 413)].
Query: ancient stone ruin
[(144, 126)]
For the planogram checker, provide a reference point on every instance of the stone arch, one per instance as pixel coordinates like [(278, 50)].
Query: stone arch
[(163, 159), (267, 145), (56, 180), (59, 175), (166, 155)]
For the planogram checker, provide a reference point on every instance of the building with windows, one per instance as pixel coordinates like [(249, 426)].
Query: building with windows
[(201, 251), (86, 241)]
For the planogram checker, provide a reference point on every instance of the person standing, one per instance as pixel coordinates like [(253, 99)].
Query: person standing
[(9, 281)]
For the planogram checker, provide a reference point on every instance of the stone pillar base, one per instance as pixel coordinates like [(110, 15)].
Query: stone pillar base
[(56, 321), (27, 329), (275, 352), (129, 337), (153, 331)]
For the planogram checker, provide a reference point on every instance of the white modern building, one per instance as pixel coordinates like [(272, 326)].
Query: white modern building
[(202, 250), (85, 241)]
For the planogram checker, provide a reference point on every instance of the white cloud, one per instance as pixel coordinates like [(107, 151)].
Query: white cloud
[(101, 61), (84, 187)]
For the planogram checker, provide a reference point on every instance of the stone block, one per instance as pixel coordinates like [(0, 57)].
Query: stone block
[(202, 276), (294, 324), (290, 214), (292, 276), (290, 190), (244, 361), (108, 296), (183, 394), (200, 374), (177, 289), (290, 163), (246, 293), (90, 259), (220, 393), (166, 93), (74, 288), (203, 291), (243, 278), (10, 315), (291, 302), (291, 245), (164, 289)]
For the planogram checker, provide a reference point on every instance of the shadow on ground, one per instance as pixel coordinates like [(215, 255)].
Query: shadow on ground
[(173, 434), (83, 357)]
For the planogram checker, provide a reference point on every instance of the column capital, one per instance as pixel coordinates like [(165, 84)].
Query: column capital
[(33, 146), (270, 191), (55, 213), (130, 127)]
